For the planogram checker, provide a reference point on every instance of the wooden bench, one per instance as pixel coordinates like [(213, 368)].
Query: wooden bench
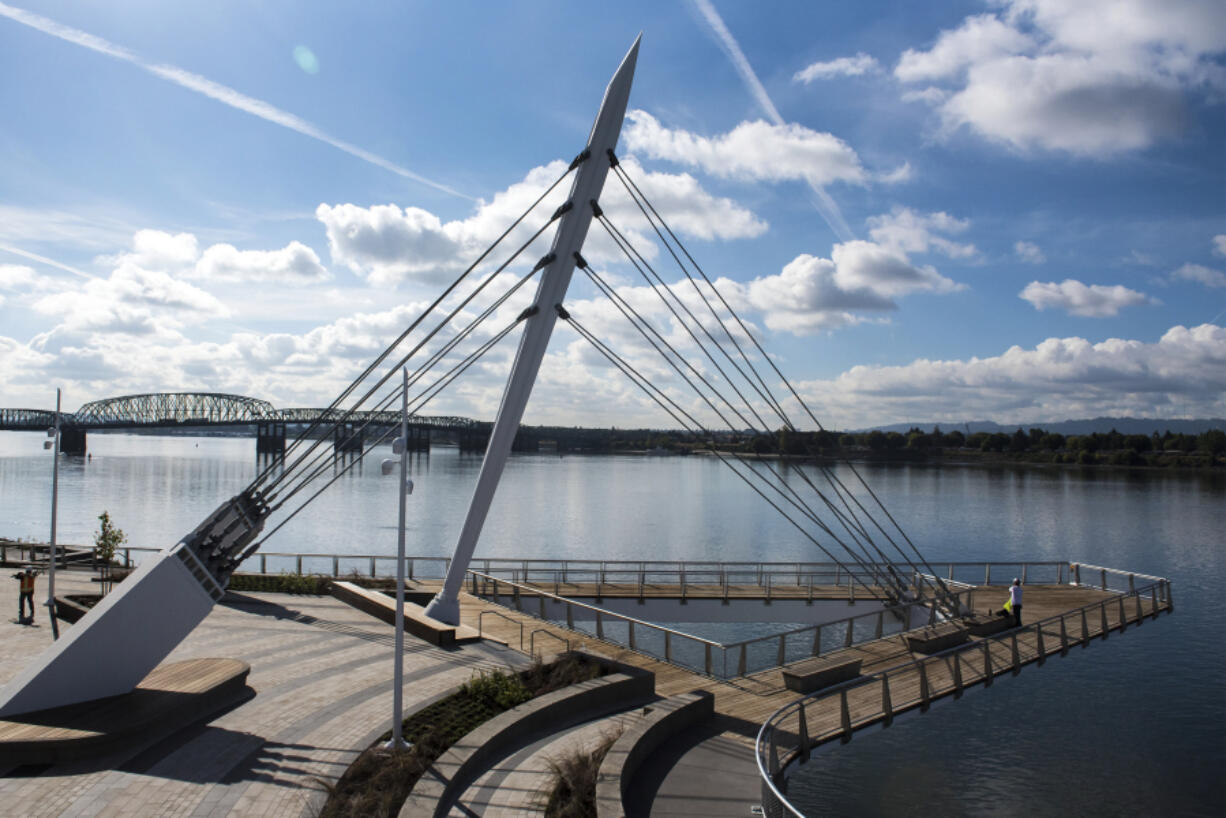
[(814, 674), (936, 638), (987, 624), (382, 606)]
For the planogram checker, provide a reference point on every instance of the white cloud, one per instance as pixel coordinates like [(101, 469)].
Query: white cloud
[(1029, 252), (905, 230), (979, 38), (1219, 245), (17, 276), (132, 300), (1184, 373), (388, 244), (754, 150), (812, 294), (1091, 78), (843, 66), (293, 263), (1093, 301), (1198, 272)]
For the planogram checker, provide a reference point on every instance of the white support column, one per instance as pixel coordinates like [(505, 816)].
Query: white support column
[(572, 230)]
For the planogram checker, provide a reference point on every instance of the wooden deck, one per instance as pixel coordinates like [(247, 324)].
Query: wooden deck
[(746, 702), (171, 696)]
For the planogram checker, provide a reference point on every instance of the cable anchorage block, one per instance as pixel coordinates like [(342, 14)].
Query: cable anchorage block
[(596, 211), (613, 162), (528, 312), (562, 313), (562, 208), (585, 155), (545, 261), (580, 261)]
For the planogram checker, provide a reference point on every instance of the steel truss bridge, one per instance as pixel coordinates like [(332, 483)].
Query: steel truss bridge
[(171, 410)]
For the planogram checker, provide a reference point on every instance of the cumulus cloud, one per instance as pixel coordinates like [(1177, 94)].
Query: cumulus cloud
[(131, 300), (293, 263), (754, 150), (1092, 78), (1092, 301), (1202, 274), (17, 277), (843, 66), (812, 294), (1219, 245), (387, 244), (1029, 252), (906, 230), (1059, 378)]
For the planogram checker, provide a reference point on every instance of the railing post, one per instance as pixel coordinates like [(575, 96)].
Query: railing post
[(957, 657), (1085, 629), (878, 630), (851, 590), (372, 567), (599, 626), (336, 565), (1017, 659), (668, 646), (987, 573), (1103, 575), (781, 657), (769, 577), (741, 663), (263, 563), (817, 640), (1123, 615), (951, 571), (570, 616), (540, 600), (1153, 602), (925, 696), (1063, 637), (1024, 567), (1132, 583), (1039, 646), (887, 706), (987, 662), (1170, 599), (845, 716), (804, 734), (410, 570), (847, 637), (707, 657), (1060, 574), (1140, 613), (633, 643), (298, 563), (1102, 607), (1076, 568)]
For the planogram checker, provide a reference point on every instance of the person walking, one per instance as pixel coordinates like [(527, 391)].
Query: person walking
[(1015, 601), (26, 593)]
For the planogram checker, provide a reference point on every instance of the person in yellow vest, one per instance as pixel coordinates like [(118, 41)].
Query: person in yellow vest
[(26, 578)]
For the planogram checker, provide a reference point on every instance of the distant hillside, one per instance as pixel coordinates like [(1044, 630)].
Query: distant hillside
[(1126, 426)]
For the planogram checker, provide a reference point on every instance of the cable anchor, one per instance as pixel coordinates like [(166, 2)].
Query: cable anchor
[(545, 261), (562, 313)]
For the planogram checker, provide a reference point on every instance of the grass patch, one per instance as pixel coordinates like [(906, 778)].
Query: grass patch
[(574, 780), (379, 781)]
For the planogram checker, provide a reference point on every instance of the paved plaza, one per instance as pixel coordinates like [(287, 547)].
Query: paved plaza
[(322, 676)]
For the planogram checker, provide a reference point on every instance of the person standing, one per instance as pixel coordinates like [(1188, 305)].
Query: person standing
[(26, 593), (1015, 601)]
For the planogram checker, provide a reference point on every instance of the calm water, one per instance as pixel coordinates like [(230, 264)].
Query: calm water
[(1134, 725)]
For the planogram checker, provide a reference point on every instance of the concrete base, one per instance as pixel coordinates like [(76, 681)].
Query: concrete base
[(168, 699), (416, 622), (118, 642)]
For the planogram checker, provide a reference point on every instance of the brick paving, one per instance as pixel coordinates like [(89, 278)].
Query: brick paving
[(322, 675)]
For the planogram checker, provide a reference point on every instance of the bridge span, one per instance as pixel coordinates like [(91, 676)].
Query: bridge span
[(188, 410)]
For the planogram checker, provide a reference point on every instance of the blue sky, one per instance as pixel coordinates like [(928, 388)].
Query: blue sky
[(1012, 210)]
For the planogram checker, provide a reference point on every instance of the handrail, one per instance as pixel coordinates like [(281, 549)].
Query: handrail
[(766, 750), (547, 632), (481, 621)]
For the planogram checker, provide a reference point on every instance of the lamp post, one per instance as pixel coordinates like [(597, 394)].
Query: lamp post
[(55, 492), (400, 446)]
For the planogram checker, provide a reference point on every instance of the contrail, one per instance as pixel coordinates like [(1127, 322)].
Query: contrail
[(43, 260), (824, 203), (213, 90)]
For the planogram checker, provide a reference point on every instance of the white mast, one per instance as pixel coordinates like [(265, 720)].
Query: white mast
[(572, 230)]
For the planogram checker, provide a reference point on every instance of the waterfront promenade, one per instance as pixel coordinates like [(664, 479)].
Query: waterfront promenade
[(322, 673)]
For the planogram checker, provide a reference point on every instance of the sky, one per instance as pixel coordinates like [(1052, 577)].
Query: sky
[(1011, 210)]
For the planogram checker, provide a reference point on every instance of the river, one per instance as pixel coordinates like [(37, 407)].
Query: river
[(1133, 725)]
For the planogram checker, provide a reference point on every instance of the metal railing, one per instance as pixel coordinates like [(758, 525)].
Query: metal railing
[(878, 697)]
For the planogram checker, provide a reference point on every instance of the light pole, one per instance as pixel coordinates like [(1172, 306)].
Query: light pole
[(55, 496), (400, 446)]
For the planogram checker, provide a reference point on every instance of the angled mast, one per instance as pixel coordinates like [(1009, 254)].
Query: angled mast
[(572, 230)]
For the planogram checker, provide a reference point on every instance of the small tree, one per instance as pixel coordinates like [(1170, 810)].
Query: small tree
[(106, 541)]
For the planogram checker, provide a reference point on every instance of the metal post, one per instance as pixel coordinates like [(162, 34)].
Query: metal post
[(887, 706), (804, 733), (1085, 629), (957, 657), (55, 497), (572, 229), (1102, 608), (845, 716), (781, 658), (397, 741), (987, 662), (925, 696)]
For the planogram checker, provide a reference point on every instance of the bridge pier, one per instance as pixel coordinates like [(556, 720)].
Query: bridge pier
[(347, 438), (473, 440), (72, 440), (270, 438)]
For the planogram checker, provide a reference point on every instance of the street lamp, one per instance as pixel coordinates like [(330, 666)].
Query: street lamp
[(400, 446), (54, 433)]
